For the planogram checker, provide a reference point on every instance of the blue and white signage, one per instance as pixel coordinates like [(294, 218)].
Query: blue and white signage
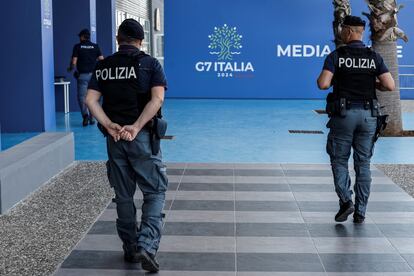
[(256, 48)]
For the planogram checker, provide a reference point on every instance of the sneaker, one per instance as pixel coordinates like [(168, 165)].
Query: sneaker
[(131, 253), (148, 261), (85, 121), (358, 218), (345, 210)]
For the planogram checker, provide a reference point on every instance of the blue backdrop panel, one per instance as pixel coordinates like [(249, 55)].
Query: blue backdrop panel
[(70, 17), (26, 95), (276, 50), (105, 20)]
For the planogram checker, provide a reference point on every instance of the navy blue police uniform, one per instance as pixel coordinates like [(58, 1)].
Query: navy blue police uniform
[(87, 54), (125, 80), (353, 120)]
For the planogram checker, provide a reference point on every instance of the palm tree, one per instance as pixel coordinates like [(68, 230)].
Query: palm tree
[(384, 34), (342, 8)]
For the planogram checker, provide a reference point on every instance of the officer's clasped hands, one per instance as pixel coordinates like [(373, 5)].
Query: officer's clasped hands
[(127, 133)]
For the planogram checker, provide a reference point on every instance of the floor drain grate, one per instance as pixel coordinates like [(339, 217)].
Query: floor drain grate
[(305, 131), (320, 111)]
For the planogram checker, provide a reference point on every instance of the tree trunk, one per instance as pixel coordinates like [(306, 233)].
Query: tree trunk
[(384, 34), (342, 8), (390, 100)]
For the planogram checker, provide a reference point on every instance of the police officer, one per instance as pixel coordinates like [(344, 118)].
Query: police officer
[(84, 58), (132, 84), (355, 72)]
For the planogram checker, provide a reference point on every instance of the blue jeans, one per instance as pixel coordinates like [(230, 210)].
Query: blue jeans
[(355, 131), (83, 82), (129, 164)]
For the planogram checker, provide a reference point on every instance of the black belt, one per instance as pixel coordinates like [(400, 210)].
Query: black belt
[(359, 103)]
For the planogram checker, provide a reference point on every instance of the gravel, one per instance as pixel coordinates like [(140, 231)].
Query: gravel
[(402, 175), (39, 232)]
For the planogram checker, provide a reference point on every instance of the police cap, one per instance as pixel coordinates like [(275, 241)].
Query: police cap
[(131, 28), (84, 32), (354, 21)]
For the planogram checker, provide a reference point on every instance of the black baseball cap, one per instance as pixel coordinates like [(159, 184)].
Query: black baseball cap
[(354, 21), (84, 32), (131, 28)]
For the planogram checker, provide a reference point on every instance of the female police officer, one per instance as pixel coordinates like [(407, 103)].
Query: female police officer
[(132, 85), (353, 70)]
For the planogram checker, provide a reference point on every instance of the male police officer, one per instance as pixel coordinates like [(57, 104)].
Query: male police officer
[(132, 85), (84, 58), (353, 109)]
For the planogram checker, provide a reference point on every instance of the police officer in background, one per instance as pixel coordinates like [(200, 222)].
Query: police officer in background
[(355, 72), (84, 57), (132, 85)]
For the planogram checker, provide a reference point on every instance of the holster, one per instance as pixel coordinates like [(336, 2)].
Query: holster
[(157, 132), (382, 121), (334, 106)]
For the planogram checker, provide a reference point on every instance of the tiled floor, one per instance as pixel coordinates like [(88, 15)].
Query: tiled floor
[(261, 219)]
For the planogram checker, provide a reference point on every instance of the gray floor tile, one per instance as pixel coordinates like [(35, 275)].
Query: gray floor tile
[(266, 206), (329, 218), (138, 204), (268, 217), (306, 167), (312, 187), (331, 188), (370, 273), (200, 216), (271, 230), (206, 187), (274, 273), (207, 179), (275, 245), (295, 262), (259, 166), (392, 217), (168, 261), (403, 245), (198, 244), (258, 172), (308, 173), (375, 206), (261, 179), (199, 229), (207, 172), (262, 187), (172, 171), (205, 195), (397, 230), (364, 263), (219, 166), (172, 186), (207, 205), (354, 245), (344, 230), (113, 272), (264, 196)]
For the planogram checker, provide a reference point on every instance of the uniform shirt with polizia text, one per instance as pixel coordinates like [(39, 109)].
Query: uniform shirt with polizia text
[(87, 54), (355, 68), (125, 80)]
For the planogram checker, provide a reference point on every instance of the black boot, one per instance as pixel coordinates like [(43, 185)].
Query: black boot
[(345, 210), (358, 218), (131, 253), (148, 261), (91, 120), (85, 120)]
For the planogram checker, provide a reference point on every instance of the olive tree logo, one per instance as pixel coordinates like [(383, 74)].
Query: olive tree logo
[(227, 41)]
